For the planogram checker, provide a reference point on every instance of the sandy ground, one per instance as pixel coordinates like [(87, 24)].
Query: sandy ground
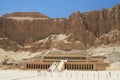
[(66, 75)]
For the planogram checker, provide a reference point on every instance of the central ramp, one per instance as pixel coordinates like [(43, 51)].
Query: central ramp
[(56, 66)]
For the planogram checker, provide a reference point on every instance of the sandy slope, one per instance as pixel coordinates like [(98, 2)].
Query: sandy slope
[(111, 52)]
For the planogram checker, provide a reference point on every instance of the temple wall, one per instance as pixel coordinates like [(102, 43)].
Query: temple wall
[(74, 62), (88, 66)]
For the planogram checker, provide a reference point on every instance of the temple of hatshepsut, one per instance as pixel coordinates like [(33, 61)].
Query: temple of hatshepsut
[(61, 62)]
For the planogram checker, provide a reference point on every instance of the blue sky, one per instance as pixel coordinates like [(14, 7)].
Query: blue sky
[(54, 8)]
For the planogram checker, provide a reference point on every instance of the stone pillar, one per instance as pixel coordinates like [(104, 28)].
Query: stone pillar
[(65, 66), (46, 66), (90, 67), (40, 66), (29, 66), (81, 58), (74, 66), (35, 66), (70, 66), (43, 66), (82, 66), (77, 66), (87, 67), (32, 66)]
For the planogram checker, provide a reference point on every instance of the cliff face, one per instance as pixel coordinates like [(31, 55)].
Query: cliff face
[(21, 26), (88, 28)]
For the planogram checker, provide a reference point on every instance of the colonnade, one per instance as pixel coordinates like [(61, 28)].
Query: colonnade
[(66, 66), (37, 66), (63, 57), (79, 66)]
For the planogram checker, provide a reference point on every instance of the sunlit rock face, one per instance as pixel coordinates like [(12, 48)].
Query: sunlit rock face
[(20, 26), (83, 30)]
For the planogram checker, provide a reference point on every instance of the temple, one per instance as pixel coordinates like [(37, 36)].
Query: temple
[(61, 62)]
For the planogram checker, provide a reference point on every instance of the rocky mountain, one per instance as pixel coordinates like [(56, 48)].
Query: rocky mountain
[(35, 31)]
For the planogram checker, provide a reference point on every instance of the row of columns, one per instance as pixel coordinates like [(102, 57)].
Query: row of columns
[(66, 66), (79, 66), (80, 58), (37, 66)]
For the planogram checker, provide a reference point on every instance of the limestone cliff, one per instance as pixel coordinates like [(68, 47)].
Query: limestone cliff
[(83, 30)]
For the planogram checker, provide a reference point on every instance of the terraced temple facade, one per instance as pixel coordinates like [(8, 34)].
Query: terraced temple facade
[(71, 62)]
